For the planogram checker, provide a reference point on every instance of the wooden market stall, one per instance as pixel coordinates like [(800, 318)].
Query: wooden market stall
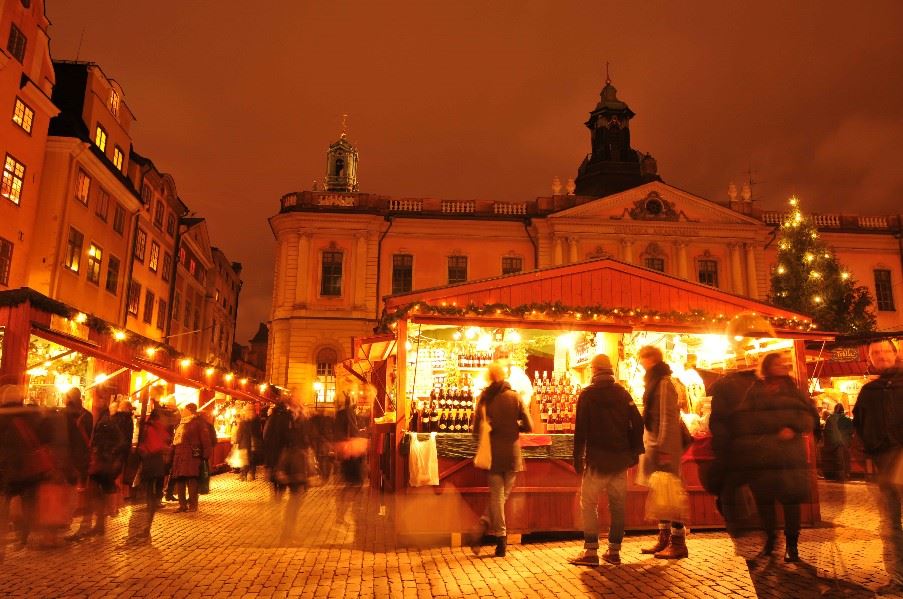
[(548, 324)]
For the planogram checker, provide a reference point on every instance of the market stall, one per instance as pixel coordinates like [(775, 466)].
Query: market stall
[(547, 325)]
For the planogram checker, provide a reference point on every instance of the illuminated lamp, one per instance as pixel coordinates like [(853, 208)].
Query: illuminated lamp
[(81, 318), (185, 362), (150, 351), (119, 335), (243, 381), (228, 376), (210, 370)]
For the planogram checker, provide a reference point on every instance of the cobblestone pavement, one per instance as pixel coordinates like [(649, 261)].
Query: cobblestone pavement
[(232, 548)]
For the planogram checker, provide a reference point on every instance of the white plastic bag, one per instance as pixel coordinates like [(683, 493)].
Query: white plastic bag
[(238, 458), (667, 499), (423, 462)]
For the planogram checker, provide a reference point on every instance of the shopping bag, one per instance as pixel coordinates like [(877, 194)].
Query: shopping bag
[(204, 478), (667, 499), (238, 458), (483, 457), (55, 505)]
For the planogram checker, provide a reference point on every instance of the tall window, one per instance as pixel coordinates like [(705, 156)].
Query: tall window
[(114, 102), (884, 291), (95, 259), (16, 44), (147, 194), (402, 273), (176, 306), (331, 274), (13, 178), (112, 284), (134, 297), (187, 320), (82, 186), (100, 138), (159, 210), (167, 266), (149, 299), (6, 260), (161, 314), (74, 249), (171, 225), (117, 157), (154, 260), (457, 269), (325, 385), (102, 204), (23, 115), (140, 245), (512, 264), (654, 263), (119, 218), (707, 272)]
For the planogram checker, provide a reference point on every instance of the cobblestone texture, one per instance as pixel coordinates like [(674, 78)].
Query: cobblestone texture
[(231, 548)]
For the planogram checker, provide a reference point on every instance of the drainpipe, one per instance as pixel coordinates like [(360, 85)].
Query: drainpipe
[(379, 260), (53, 287), (527, 223), (900, 238), (172, 280), (131, 269)]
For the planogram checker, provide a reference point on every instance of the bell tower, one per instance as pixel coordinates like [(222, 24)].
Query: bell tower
[(613, 165), (341, 164)]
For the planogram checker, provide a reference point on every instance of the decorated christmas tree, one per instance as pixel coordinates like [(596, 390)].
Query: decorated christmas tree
[(808, 279)]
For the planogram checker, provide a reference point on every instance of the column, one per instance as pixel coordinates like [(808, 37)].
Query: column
[(289, 245), (301, 281), (736, 269), (682, 271), (572, 250), (558, 257), (360, 277), (752, 279), (627, 250)]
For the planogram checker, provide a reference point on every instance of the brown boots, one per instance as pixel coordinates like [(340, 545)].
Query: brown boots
[(669, 545)]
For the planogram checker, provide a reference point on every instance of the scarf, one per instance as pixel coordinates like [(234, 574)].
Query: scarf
[(650, 400), (493, 390), (180, 431), (603, 377)]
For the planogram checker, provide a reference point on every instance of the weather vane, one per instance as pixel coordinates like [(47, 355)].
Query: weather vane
[(344, 124), (607, 76)]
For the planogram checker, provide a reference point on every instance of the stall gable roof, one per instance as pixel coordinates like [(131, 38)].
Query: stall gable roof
[(603, 282), (680, 206)]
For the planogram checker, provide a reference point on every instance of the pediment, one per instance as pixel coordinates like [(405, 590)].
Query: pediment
[(655, 202)]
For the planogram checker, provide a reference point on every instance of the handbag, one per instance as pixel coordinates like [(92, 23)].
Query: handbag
[(204, 478), (37, 460), (483, 457), (314, 479), (667, 498), (55, 505)]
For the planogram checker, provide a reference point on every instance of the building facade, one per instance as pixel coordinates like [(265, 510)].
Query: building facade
[(340, 251), (222, 307), (26, 86)]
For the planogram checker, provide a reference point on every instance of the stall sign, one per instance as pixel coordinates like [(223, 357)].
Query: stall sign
[(845, 354), (67, 326)]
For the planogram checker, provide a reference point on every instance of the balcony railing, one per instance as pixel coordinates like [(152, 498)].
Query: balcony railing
[(509, 209), (458, 207), (406, 205), (873, 222)]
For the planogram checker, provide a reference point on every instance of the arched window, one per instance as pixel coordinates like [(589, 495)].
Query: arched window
[(324, 387)]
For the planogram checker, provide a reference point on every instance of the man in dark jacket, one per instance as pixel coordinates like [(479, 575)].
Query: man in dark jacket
[(878, 419), (508, 417), (275, 435), (80, 426), (607, 440), (838, 436)]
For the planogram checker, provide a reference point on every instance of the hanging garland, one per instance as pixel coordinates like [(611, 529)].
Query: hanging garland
[(558, 311)]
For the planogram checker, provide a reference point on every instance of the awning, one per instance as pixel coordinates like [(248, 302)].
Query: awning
[(832, 369), (375, 349)]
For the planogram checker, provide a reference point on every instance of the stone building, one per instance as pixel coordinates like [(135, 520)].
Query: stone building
[(340, 251)]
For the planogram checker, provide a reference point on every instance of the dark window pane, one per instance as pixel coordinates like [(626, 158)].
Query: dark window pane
[(884, 291), (457, 269), (402, 273), (331, 276)]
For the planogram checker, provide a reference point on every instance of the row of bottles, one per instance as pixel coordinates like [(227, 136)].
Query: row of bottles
[(559, 422), (474, 359), (556, 400), (452, 399), (430, 419)]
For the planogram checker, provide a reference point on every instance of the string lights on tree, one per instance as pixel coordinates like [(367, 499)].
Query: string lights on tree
[(809, 279)]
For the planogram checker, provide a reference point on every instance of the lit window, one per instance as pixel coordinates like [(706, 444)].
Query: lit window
[(134, 297), (331, 274), (161, 314), (23, 115), (112, 284), (95, 258), (102, 205), (182, 255), (402, 273), (154, 259), (192, 266), (149, 299), (457, 269), (114, 102), (100, 138), (167, 266), (140, 245), (707, 272), (82, 187), (119, 218), (74, 249), (884, 291), (325, 384), (158, 214), (13, 178), (16, 44), (654, 263), (117, 157), (512, 264), (6, 260)]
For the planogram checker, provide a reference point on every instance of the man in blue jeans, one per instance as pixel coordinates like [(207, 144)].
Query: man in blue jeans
[(607, 440)]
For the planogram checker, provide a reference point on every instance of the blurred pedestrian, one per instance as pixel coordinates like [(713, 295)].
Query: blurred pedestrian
[(663, 443), (769, 449), (191, 444), (275, 437), (878, 420), (608, 438), (249, 439), (154, 450), (80, 425), (838, 436), (292, 469), (505, 412), (123, 418), (351, 449)]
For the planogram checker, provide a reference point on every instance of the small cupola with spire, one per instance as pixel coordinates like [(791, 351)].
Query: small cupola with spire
[(341, 164)]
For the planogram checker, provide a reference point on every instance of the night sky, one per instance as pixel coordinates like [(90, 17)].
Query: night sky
[(239, 100)]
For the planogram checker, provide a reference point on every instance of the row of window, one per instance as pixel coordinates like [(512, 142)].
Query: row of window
[(191, 310), (102, 201), (159, 211), (153, 258), (94, 264), (150, 302), (100, 140)]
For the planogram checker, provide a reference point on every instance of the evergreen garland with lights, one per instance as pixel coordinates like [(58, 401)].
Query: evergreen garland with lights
[(808, 279)]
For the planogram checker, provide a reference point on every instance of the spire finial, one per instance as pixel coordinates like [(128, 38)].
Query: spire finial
[(344, 125), (607, 75)]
